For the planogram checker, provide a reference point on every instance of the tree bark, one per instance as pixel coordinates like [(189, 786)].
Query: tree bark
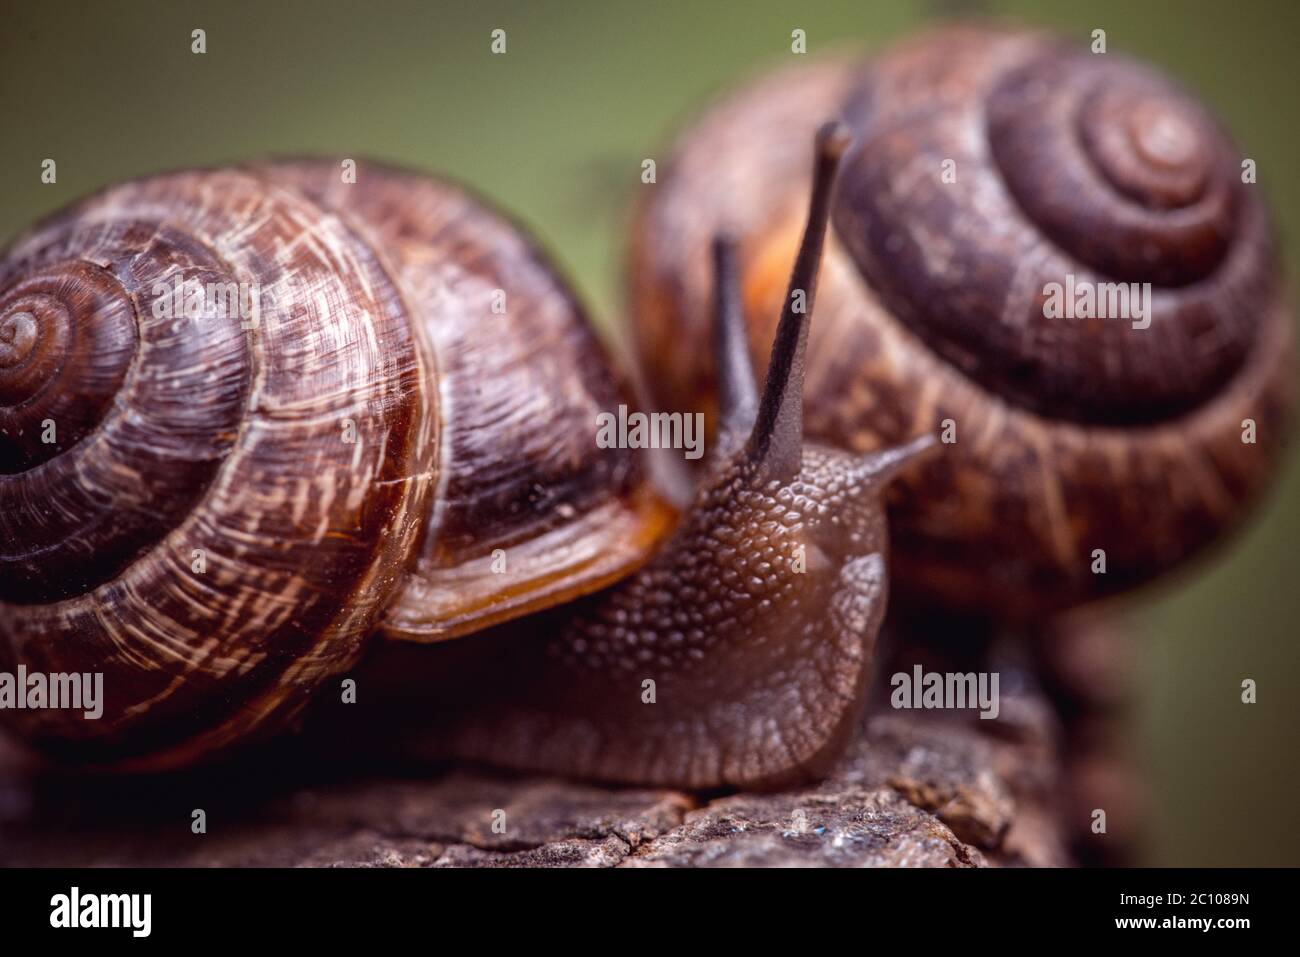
[(915, 789)]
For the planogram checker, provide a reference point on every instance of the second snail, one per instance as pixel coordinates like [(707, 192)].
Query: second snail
[(981, 166)]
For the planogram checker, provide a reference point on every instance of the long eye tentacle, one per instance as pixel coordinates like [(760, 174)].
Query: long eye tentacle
[(777, 440), (737, 386)]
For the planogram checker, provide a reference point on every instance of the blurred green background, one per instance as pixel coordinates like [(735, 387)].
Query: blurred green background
[(556, 131)]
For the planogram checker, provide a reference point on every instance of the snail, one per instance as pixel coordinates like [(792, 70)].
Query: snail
[(236, 500), (991, 167), (349, 465)]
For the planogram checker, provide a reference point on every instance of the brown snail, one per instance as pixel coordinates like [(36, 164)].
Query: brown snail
[(988, 164), (231, 506)]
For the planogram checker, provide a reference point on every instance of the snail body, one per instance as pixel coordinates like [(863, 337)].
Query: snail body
[(988, 164)]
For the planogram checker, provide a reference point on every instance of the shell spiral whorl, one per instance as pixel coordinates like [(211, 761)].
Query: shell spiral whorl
[(67, 336), (1065, 164)]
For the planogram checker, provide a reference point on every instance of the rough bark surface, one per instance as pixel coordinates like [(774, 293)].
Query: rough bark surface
[(915, 789)]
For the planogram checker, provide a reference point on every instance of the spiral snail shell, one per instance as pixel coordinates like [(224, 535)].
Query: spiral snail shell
[(231, 503), (989, 164)]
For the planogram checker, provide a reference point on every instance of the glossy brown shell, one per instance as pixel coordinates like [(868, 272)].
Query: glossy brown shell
[(1070, 438), (222, 444), (519, 393)]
